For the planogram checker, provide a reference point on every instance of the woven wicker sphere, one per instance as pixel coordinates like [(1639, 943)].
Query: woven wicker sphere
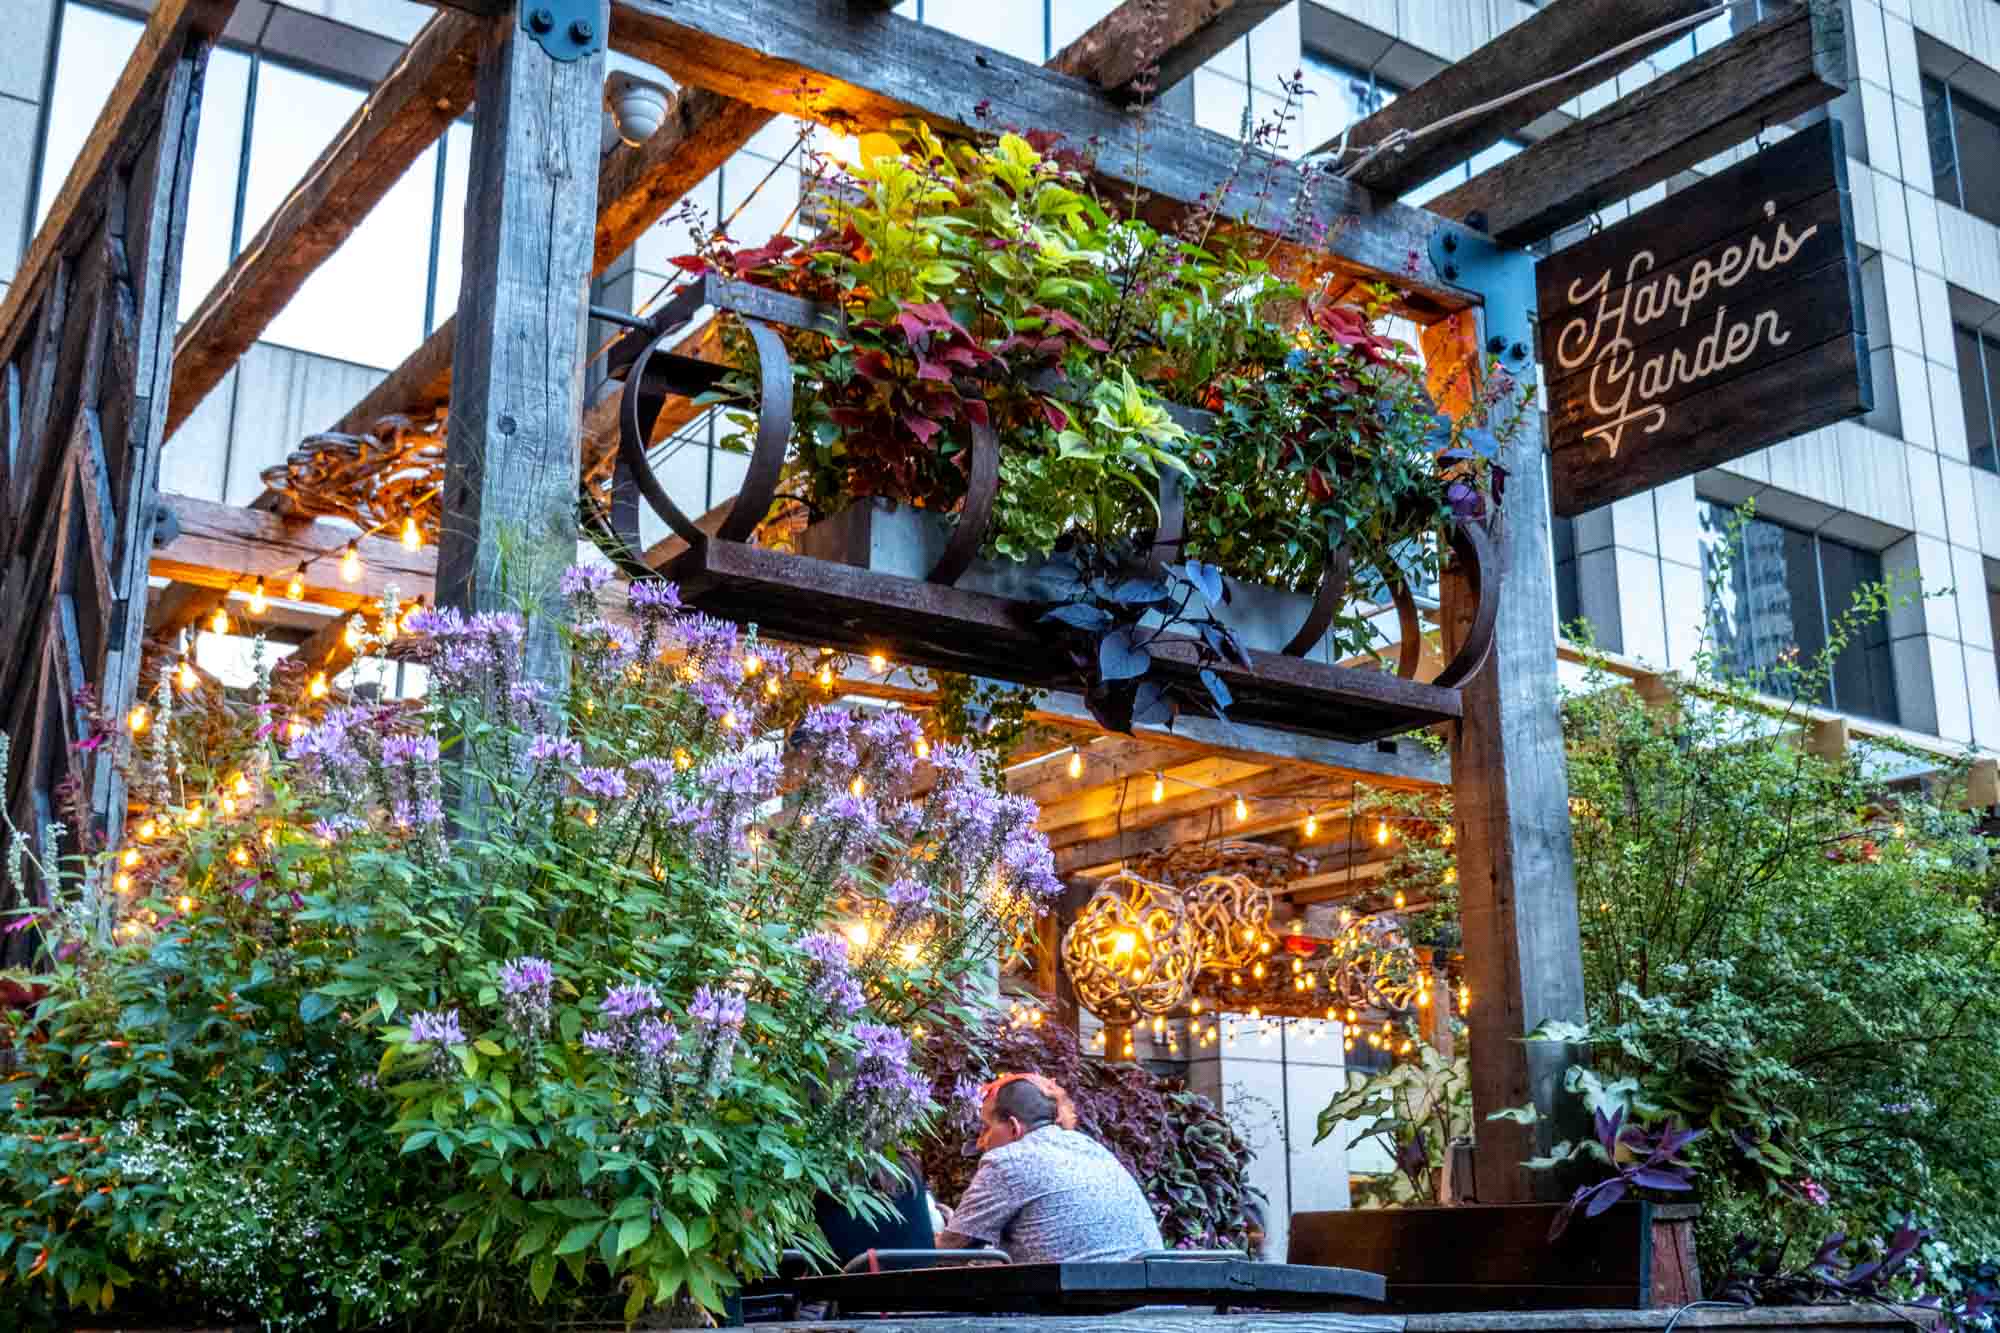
[(1131, 952), (1231, 916)]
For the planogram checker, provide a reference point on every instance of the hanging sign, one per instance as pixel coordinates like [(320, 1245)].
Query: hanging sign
[(1721, 320)]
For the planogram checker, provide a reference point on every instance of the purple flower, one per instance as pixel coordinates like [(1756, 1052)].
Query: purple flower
[(832, 977), (526, 974), (335, 827), (526, 986), (626, 1002), (718, 1020), (617, 643), (657, 1039), (604, 1043), (436, 621), (545, 748), (716, 1009), (605, 783), (579, 580), (754, 775), (907, 894), (656, 771), (436, 1029), (887, 1096), (655, 595), (410, 750)]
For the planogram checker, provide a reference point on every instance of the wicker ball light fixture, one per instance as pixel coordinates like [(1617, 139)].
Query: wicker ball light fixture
[(1231, 917), (1131, 953)]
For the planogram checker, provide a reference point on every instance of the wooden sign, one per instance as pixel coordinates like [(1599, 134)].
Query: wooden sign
[(1721, 320)]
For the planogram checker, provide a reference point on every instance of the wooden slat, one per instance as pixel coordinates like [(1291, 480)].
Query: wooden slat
[(1159, 42), (869, 68), (1185, 787), (1555, 38), (1102, 762), (223, 547), (1783, 67), (1105, 844), (414, 105), (122, 119)]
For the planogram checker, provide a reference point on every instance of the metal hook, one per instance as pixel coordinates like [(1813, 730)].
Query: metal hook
[(1596, 222), (1762, 125)]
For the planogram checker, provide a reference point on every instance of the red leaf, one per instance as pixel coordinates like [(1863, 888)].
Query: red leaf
[(691, 263), (1317, 487), (921, 426), (928, 369), (976, 411), (1058, 418), (874, 365)]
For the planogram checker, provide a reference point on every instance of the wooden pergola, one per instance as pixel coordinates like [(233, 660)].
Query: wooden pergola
[(95, 379)]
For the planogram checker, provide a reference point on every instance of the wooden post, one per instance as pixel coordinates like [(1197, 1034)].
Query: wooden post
[(1517, 874), (512, 453)]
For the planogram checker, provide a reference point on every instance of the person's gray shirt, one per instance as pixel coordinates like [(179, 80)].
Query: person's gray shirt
[(1055, 1196)]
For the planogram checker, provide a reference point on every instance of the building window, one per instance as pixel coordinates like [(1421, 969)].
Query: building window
[(263, 124), (1337, 96), (1964, 135), (1979, 387), (1569, 597), (1783, 592)]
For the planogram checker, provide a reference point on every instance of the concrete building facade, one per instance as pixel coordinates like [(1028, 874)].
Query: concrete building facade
[(1912, 491)]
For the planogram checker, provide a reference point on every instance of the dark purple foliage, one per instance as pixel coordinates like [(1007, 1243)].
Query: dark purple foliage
[(1758, 1276), (1654, 1164)]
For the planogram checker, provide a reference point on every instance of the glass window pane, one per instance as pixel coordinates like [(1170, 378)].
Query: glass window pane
[(1972, 388), (365, 304), (451, 220), (95, 47), (1070, 19), (1864, 681), (218, 156), (1977, 130), (1336, 97), (1937, 129), (1767, 609), (1014, 27)]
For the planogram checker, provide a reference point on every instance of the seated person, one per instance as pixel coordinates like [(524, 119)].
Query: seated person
[(908, 1228), (1044, 1192)]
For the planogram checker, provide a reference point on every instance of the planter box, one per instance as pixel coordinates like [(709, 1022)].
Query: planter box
[(888, 538)]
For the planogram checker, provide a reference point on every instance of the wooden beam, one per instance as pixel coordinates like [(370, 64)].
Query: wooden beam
[(867, 67), (1192, 816), (1154, 44), (80, 202), (1783, 67), (1193, 784), (414, 105), (224, 547), (1554, 39), (1105, 761), (511, 446), (1516, 870)]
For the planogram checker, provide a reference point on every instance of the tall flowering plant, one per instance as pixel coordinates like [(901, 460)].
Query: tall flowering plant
[(622, 974)]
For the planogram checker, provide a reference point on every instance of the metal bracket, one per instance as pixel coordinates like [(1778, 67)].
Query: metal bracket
[(1505, 281), (566, 29)]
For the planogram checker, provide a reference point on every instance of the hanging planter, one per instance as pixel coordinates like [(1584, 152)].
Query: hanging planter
[(967, 387)]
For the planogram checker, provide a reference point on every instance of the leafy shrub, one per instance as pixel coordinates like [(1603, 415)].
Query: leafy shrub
[(308, 1059), (1184, 1153)]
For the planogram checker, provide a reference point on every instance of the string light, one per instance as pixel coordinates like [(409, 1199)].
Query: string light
[(771, 686), (240, 854), (923, 747), (413, 537), (351, 636), (186, 904), (1242, 810), (184, 676), (752, 664), (350, 564), (219, 622), (258, 604), (131, 857), (825, 676), (194, 813), (138, 719), (857, 787), (877, 663), (296, 588), (1312, 826), (1159, 788), (1381, 832), (729, 720), (1399, 898), (124, 882), (148, 831), (241, 786), (317, 687), (1075, 762)]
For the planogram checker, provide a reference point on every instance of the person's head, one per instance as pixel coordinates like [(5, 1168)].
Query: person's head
[(1014, 1106)]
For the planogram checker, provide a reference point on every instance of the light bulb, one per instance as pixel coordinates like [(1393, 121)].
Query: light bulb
[(316, 688), (752, 664), (148, 831), (1312, 826), (825, 677), (1242, 810), (877, 663), (350, 564), (123, 882), (1258, 971), (771, 687), (194, 813), (241, 785), (131, 857), (240, 855), (1399, 898), (186, 904), (413, 536), (729, 720), (184, 675), (219, 622), (923, 748), (351, 636), (1159, 788), (1381, 832), (1075, 762), (857, 787), (296, 588), (138, 719), (258, 604), (857, 934)]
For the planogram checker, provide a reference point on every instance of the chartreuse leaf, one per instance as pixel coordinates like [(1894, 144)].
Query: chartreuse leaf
[(578, 1237), (541, 1273)]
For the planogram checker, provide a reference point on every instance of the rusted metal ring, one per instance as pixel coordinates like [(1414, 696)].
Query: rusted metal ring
[(1471, 547), (767, 459), (1326, 601), (1409, 627), (982, 485)]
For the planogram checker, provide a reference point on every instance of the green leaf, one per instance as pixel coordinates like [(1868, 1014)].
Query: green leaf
[(418, 1140), (578, 1237), (635, 1304), (532, 1240), (633, 1232), (485, 1047), (313, 1006), (385, 1000), (541, 1273)]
